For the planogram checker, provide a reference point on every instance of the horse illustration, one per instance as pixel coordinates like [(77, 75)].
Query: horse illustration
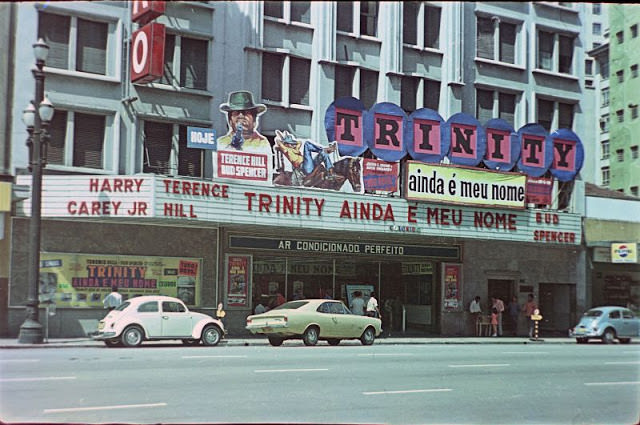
[(346, 169)]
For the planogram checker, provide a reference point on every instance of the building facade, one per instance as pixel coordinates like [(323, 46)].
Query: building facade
[(115, 143)]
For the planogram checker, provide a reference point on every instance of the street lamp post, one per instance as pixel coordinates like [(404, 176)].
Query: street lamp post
[(36, 117)]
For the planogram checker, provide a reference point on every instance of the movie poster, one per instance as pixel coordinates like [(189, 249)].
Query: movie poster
[(451, 287), (238, 275), (83, 280)]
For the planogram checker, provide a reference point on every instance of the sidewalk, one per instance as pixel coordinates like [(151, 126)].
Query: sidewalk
[(262, 341)]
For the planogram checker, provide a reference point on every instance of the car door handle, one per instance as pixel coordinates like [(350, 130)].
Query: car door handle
[(165, 317)]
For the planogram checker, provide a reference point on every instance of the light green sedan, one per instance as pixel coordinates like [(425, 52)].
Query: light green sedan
[(314, 320)]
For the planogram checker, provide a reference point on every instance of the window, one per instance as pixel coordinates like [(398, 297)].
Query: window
[(421, 24), (345, 16), (369, 18), (172, 307), (604, 148), (620, 155), (620, 76), (185, 62), (86, 52), (605, 176), (614, 314), (596, 8), (490, 103), (597, 28), (634, 190), (605, 96), (416, 93), (345, 84), (604, 124), (273, 9), (78, 139), (634, 152), (588, 66), (555, 52), (366, 19), (604, 69), (150, 307), (165, 150), (294, 11), (634, 71), (484, 105), (620, 37), (620, 115), (285, 79), (634, 111), (634, 31), (565, 115), (492, 30), (545, 114)]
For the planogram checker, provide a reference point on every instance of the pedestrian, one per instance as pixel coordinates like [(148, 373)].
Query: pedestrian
[(529, 307), (372, 306), (498, 304), (357, 304), (113, 300), (514, 313), (494, 321), (260, 308), (476, 312)]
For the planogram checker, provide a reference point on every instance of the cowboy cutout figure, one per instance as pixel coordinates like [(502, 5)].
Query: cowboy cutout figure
[(242, 117), (309, 161)]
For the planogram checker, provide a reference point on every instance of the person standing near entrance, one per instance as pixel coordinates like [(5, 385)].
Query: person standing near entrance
[(529, 307), (372, 306), (113, 300), (514, 313), (498, 304), (357, 304), (476, 312)]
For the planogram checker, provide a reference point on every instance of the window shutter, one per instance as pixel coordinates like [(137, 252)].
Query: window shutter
[(484, 105), (545, 50), (369, 18), (566, 54), (345, 16), (408, 91), (432, 27), (432, 94), (157, 144), (273, 9), (507, 43), (272, 77), (57, 133), (299, 81), (565, 115), (409, 22), (485, 38), (343, 83), (189, 159), (91, 53), (368, 87), (88, 140), (545, 113), (507, 108), (169, 49), (54, 30), (193, 63)]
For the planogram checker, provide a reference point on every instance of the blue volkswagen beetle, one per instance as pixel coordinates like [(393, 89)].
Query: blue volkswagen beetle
[(607, 323)]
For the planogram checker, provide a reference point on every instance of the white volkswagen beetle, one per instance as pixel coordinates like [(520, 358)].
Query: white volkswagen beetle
[(157, 317)]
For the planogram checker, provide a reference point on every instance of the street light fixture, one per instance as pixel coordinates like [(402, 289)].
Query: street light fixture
[(31, 331)]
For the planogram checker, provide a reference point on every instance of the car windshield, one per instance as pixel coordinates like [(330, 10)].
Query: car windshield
[(593, 313), (291, 305), (123, 306)]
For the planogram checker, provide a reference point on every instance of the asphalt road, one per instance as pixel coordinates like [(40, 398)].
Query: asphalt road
[(400, 384)]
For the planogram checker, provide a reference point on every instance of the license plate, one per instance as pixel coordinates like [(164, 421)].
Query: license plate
[(580, 331), (100, 326), (268, 328)]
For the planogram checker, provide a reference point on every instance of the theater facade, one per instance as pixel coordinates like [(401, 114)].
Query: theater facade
[(426, 233)]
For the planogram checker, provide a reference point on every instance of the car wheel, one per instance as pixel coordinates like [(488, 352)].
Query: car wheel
[(608, 336), (211, 335), (310, 336), (333, 342), (190, 341), (582, 340), (368, 336), (114, 342), (132, 336), (275, 341), (624, 340)]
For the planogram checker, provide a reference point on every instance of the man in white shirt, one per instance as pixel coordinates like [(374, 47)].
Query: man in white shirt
[(113, 300), (476, 312), (357, 304), (372, 306)]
